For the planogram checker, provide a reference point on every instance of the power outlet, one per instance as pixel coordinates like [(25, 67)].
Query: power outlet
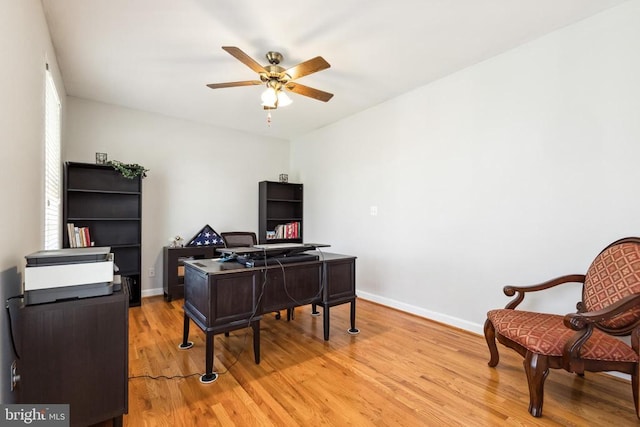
[(152, 272), (14, 375)]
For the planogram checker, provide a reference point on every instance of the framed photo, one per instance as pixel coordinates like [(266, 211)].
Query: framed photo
[(101, 158)]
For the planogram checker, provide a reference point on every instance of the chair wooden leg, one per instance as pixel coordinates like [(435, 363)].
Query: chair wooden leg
[(634, 384), (490, 336), (536, 366)]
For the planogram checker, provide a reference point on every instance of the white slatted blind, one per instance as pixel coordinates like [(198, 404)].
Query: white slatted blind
[(52, 166)]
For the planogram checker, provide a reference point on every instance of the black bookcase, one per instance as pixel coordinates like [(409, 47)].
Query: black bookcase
[(280, 203), (110, 206)]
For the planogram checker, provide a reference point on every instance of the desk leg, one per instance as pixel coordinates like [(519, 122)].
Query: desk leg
[(325, 315), (209, 375), (186, 344), (255, 325), (314, 310), (353, 330)]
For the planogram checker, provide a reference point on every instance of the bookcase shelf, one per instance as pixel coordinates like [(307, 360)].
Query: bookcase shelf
[(110, 206), (280, 203)]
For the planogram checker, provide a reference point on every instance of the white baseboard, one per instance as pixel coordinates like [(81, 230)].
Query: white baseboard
[(422, 312), (152, 292)]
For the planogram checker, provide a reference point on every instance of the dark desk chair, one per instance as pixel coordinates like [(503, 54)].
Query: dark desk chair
[(241, 239)]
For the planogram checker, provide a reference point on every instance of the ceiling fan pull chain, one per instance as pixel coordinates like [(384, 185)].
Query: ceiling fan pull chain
[(269, 118)]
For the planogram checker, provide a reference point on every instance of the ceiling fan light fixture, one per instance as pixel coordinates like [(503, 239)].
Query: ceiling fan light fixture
[(269, 98), (283, 99)]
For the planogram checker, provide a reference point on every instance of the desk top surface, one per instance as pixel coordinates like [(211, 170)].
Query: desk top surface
[(270, 249), (214, 265)]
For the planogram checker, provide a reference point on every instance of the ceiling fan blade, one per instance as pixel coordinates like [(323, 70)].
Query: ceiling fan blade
[(308, 91), (308, 67), (245, 59), (233, 84)]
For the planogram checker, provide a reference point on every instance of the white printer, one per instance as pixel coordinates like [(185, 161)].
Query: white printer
[(67, 274)]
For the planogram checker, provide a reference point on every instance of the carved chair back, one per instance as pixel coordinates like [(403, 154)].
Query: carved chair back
[(613, 275)]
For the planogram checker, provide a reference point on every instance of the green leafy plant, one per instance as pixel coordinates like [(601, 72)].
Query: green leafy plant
[(129, 170)]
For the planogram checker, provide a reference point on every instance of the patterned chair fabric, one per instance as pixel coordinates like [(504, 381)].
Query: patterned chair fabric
[(613, 275), (546, 334), (582, 341)]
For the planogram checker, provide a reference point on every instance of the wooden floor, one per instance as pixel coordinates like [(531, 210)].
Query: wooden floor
[(400, 370)]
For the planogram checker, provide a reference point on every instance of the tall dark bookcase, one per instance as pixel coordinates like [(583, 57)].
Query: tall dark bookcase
[(110, 205), (280, 203)]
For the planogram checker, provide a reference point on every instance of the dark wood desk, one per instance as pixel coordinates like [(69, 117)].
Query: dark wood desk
[(224, 296)]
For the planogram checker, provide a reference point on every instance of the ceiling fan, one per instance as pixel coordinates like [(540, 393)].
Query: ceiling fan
[(278, 79)]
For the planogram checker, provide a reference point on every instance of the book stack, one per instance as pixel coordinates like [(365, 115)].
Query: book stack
[(79, 237), (290, 230)]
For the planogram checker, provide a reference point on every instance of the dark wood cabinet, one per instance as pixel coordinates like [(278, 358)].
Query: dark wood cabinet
[(110, 206), (76, 352), (173, 267), (279, 203)]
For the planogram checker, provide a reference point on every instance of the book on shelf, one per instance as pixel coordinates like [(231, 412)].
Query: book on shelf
[(71, 234), (79, 237), (290, 230)]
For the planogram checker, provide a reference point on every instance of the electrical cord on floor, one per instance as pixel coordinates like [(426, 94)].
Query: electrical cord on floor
[(173, 377), (164, 377)]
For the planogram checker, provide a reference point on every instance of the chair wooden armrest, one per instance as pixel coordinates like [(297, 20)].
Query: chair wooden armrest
[(584, 324), (578, 321), (511, 290)]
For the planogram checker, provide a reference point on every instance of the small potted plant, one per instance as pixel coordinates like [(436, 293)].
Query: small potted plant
[(129, 170)]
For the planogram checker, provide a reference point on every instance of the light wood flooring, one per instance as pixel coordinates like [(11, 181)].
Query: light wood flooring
[(401, 370)]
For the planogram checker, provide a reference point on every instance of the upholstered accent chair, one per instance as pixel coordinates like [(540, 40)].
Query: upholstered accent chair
[(581, 341)]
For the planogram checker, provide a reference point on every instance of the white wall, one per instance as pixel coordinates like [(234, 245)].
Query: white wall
[(198, 174), (25, 47), (513, 171)]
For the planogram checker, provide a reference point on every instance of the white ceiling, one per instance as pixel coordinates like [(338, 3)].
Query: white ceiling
[(158, 55)]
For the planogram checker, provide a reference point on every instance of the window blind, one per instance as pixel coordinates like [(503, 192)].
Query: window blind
[(52, 165)]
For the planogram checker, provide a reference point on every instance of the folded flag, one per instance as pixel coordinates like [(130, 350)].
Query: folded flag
[(206, 237)]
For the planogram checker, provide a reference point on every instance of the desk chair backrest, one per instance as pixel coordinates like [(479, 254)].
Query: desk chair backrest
[(613, 275), (236, 239)]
